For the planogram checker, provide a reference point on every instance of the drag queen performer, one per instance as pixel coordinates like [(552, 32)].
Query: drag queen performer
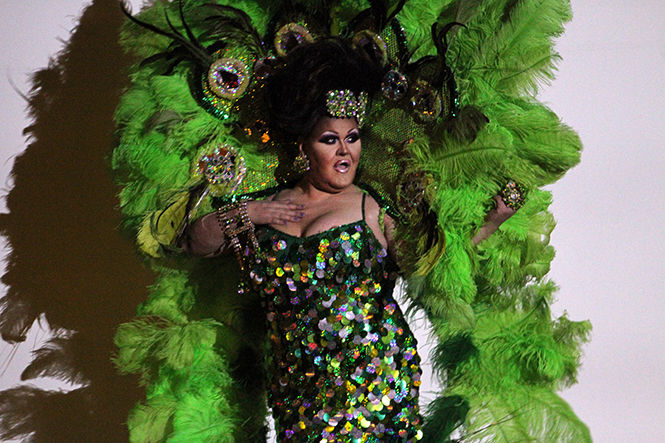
[(343, 362), (311, 152)]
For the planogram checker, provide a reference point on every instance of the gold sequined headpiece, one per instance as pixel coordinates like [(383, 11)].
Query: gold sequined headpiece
[(342, 103)]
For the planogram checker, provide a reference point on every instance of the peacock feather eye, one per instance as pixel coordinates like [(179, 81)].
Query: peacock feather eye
[(290, 36), (228, 78), (372, 44)]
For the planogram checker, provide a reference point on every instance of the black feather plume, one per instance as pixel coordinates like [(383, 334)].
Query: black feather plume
[(182, 48), (231, 24)]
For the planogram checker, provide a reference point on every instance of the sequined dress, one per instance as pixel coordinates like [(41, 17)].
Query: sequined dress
[(343, 365)]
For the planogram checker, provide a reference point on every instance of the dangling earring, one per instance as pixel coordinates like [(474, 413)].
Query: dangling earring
[(301, 163)]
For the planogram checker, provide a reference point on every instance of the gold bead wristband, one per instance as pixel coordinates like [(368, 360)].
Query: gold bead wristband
[(232, 227)]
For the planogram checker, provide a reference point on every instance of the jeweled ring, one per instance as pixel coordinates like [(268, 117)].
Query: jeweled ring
[(513, 195)]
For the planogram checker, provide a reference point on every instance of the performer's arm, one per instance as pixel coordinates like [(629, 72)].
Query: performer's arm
[(493, 220), (205, 236), (499, 214)]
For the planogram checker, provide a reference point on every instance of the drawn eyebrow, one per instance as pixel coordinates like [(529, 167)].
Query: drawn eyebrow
[(324, 135)]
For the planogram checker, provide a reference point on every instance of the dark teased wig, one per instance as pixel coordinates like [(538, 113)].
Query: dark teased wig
[(296, 91)]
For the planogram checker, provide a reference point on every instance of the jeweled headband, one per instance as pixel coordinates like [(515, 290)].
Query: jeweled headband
[(342, 103)]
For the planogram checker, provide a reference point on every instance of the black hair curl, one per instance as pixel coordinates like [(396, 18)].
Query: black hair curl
[(296, 92)]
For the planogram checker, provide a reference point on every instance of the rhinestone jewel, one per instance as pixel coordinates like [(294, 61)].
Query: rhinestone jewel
[(410, 191), (222, 166), (426, 102), (394, 85), (513, 194), (344, 104)]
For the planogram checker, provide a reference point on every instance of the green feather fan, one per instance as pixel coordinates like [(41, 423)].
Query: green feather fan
[(500, 357)]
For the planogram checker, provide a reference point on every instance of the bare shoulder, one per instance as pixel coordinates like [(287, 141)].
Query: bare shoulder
[(372, 208), (372, 214)]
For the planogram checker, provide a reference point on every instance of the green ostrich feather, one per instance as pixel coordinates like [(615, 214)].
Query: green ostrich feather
[(501, 356)]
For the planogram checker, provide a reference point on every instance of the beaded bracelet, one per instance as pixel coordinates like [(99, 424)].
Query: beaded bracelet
[(233, 226)]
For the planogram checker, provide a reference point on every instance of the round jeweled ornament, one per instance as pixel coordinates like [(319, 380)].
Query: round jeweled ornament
[(426, 102), (372, 44), (410, 192), (513, 195), (222, 167), (291, 35), (394, 85), (228, 78)]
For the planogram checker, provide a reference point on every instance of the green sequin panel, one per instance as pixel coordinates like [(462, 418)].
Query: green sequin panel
[(343, 365)]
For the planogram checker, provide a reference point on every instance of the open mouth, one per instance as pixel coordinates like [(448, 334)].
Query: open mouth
[(342, 166)]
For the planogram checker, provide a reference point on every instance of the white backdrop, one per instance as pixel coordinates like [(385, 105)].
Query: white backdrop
[(610, 209)]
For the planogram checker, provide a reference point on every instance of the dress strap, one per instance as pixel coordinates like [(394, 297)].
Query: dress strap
[(362, 205), (382, 221)]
